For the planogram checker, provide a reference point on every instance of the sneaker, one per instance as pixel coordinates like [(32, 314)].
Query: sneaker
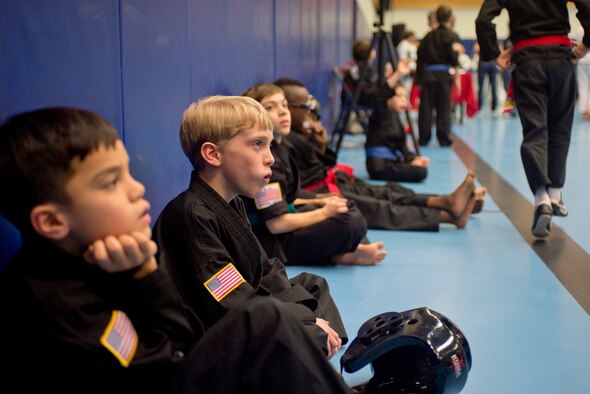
[(559, 208), (542, 221)]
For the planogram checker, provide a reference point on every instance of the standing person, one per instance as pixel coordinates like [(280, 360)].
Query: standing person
[(583, 78), (203, 234), (88, 307), (489, 70), (544, 89), (436, 57), (294, 224), (387, 155)]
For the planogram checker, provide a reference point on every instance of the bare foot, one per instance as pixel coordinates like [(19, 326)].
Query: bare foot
[(480, 196), (461, 221), (455, 202), (365, 254)]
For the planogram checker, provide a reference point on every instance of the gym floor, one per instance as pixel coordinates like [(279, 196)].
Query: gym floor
[(522, 304)]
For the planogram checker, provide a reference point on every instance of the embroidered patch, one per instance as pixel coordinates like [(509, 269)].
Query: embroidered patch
[(270, 195), (120, 338), (223, 282)]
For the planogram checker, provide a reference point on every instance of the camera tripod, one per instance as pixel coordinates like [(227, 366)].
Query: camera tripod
[(381, 39)]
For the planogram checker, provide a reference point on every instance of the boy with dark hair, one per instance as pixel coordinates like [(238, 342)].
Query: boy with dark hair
[(544, 84), (203, 234), (86, 307), (296, 225)]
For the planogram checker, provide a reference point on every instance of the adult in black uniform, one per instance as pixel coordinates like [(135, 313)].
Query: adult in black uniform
[(388, 207), (86, 307), (294, 224), (386, 150), (544, 89), (436, 57), (203, 234)]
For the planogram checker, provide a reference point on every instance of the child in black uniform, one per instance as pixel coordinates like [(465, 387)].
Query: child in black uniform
[(204, 236), (436, 56), (86, 307), (387, 155), (544, 89), (294, 224)]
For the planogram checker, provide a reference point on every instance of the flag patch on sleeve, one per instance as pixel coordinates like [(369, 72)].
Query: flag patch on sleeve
[(270, 195), (120, 338), (224, 282)]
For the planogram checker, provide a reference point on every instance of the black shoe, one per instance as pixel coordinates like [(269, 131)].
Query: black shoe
[(559, 208), (542, 221)]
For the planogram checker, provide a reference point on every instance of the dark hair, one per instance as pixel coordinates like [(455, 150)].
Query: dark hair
[(443, 14), (262, 90), (36, 152), (288, 82), (361, 51)]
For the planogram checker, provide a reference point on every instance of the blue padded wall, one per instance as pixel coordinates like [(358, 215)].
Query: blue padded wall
[(140, 63)]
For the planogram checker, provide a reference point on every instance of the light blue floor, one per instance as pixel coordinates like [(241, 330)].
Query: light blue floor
[(527, 334)]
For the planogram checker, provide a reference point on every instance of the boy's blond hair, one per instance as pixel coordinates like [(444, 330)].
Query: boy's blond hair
[(218, 119)]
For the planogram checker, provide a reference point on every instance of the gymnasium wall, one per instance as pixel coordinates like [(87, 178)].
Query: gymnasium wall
[(140, 63)]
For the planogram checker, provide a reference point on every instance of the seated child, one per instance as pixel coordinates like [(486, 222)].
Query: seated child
[(86, 307), (204, 237), (387, 207), (303, 231), (387, 155)]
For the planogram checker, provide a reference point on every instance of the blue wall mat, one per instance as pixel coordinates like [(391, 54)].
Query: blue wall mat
[(60, 53), (140, 63), (156, 89)]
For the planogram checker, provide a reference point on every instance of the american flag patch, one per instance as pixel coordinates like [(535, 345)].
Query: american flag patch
[(120, 338), (223, 282), (270, 195)]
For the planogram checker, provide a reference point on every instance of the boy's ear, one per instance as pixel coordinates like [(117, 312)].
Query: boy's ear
[(49, 222), (211, 154)]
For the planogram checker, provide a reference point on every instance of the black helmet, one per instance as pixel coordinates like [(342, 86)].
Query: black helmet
[(417, 351)]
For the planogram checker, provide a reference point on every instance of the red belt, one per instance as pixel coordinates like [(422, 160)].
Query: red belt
[(529, 42), (543, 40), (330, 180)]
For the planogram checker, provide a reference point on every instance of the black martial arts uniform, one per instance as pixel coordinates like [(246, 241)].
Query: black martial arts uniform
[(388, 207), (314, 244), (435, 58), (387, 155), (544, 80), (215, 259), (70, 327)]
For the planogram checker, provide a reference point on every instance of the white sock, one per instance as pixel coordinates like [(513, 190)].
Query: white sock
[(542, 197), (554, 194)]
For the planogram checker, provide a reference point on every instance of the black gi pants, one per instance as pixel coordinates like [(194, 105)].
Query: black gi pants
[(545, 94), (435, 95), (316, 244), (258, 348)]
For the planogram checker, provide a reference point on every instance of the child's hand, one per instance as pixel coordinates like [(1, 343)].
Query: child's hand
[(503, 61), (334, 341), (124, 253), (334, 205), (579, 50), (421, 161)]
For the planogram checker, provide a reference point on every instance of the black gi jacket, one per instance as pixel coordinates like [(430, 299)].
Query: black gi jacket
[(436, 48), (198, 234), (529, 19), (55, 309), (387, 132)]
